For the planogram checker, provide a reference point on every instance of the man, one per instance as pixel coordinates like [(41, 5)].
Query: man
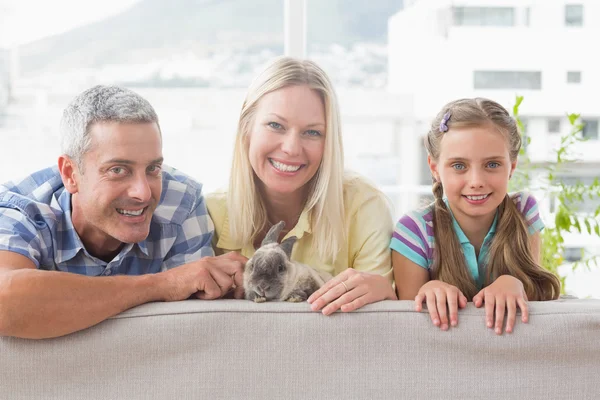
[(103, 230)]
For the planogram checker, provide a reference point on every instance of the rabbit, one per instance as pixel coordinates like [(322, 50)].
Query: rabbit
[(270, 275)]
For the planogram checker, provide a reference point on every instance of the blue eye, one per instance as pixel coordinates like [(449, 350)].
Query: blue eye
[(313, 133), (459, 167), (493, 164), (275, 125)]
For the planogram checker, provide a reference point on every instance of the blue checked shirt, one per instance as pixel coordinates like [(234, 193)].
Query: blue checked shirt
[(35, 221)]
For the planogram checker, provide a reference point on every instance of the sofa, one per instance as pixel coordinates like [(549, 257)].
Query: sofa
[(236, 349)]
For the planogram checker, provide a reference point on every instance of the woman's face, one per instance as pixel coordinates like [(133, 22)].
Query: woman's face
[(287, 139)]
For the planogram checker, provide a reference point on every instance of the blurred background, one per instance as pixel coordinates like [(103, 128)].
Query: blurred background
[(394, 64)]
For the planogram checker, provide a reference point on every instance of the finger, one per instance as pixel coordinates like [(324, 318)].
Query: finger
[(332, 294), (489, 310), (524, 310), (462, 300), (478, 298), (238, 278), (230, 266), (432, 308), (238, 292), (209, 289), (343, 276), (453, 308), (419, 301), (349, 297), (222, 279), (442, 306), (500, 311), (357, 303), (511, 307)]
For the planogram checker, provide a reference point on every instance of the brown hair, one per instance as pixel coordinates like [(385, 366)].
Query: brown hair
[(510, 250)]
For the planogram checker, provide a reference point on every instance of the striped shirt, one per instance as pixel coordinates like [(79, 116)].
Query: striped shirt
[(413, 235), (35, 221)]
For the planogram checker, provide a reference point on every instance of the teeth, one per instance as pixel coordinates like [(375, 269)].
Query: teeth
[(132, 213), (477, 197), (284, 167)]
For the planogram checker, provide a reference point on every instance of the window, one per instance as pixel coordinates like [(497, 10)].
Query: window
[(574, 15), (483, 16), (573, 254), (526, 16), (507, 80), (590, 129), (525, 139), (553, 125), (573, 76), (584, 205), (424, 171), (193, 62)]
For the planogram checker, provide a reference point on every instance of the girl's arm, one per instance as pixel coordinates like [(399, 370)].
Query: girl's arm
[(409, 276)]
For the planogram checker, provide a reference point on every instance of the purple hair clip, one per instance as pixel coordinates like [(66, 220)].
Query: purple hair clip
[(444, 123)]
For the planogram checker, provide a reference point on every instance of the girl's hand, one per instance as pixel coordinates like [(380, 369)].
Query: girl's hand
[(505, 293), (440, 298), (350, 290)]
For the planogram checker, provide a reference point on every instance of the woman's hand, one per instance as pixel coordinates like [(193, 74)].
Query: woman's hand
[(504, 294), (351, 290), (441, 298)]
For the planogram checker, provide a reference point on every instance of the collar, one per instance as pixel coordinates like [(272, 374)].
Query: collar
[(69, 243), (459, 232)]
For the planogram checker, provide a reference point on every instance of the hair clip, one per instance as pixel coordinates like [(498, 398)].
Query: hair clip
[(444, 123)]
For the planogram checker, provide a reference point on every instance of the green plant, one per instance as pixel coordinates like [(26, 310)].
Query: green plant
[(568, 197)]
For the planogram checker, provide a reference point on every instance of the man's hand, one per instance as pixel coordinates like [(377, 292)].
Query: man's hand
[(208, 278)]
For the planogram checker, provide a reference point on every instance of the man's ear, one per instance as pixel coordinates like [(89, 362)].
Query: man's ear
[(433, 168), (69, 172)]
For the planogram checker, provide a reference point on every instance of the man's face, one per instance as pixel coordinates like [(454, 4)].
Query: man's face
[(118, 187)]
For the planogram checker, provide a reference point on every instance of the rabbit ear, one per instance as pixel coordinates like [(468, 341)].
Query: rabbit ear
[(273, 233), (287, 245)]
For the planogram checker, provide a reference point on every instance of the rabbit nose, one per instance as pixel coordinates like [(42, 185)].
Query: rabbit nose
[(263, 288)]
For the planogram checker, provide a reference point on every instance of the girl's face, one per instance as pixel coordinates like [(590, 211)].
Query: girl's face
[(474, 167), (287, 139)]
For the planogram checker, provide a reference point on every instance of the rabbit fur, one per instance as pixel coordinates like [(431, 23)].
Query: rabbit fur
[(270, 275)]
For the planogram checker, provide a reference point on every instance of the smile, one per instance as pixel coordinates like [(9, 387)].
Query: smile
[(131, 213), (476, 198), (284, 167)]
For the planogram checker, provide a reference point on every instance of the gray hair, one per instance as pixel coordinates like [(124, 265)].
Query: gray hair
[(100, 104)]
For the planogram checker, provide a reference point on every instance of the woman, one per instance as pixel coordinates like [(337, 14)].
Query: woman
[(288, 165)]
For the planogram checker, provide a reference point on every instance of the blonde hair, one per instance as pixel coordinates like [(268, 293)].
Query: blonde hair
[(247, 212), (510, 250)]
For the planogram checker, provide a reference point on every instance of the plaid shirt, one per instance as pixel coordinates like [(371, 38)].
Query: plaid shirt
[(35, 221)]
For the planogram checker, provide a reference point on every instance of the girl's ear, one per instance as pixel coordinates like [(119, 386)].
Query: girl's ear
[(433, 168), (513, 166)]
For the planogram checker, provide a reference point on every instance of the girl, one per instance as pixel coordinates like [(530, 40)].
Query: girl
[(477, 242), (288, 166)]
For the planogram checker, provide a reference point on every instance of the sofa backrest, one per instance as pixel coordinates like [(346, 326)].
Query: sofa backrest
[(235, 349)]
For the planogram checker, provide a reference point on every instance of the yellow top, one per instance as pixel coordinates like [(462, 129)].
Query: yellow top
[(369, 227)]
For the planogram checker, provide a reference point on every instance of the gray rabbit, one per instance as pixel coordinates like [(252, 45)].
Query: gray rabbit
[(271, 275)]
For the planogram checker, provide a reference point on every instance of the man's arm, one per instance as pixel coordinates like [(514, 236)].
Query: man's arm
[(42, 304)]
